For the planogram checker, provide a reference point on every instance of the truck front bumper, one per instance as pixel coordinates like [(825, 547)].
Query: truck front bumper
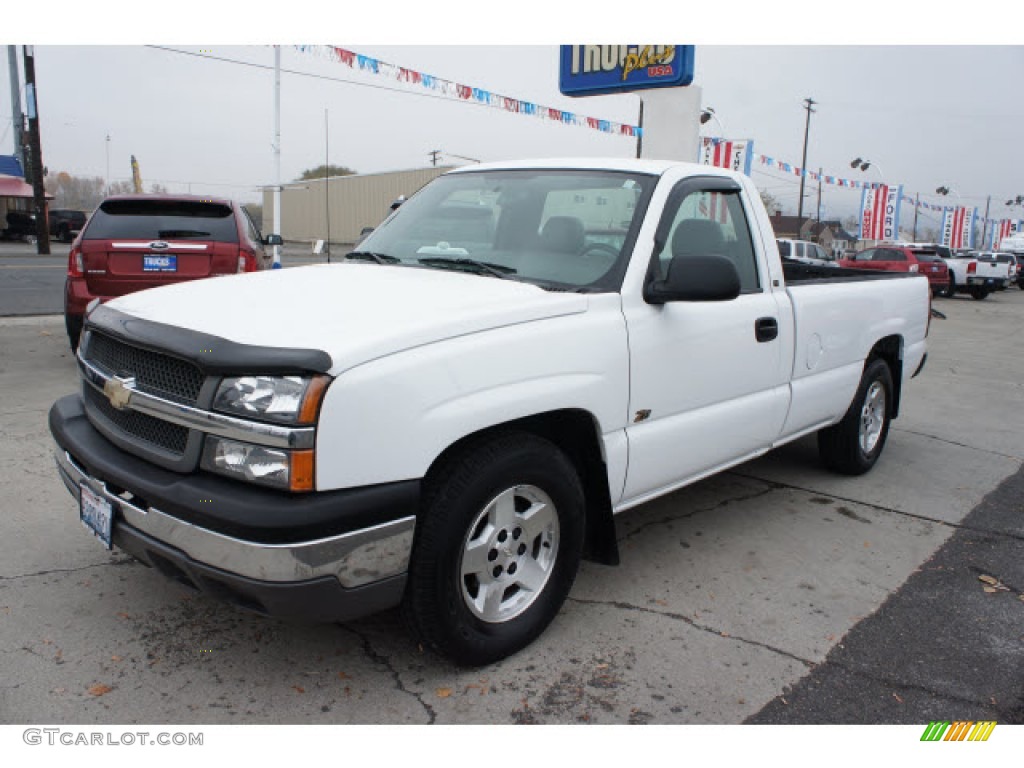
[(344, 569)]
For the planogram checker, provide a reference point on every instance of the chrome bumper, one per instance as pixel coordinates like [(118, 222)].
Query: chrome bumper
[(355, 559)]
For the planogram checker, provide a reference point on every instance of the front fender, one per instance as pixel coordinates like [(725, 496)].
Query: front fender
[(390, 418)]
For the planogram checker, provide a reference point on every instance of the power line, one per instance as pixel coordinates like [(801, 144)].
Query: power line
[(315, 76)]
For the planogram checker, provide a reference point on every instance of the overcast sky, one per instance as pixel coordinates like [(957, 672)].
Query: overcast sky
[(925, 115)]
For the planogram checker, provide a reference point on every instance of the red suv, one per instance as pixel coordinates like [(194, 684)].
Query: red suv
[(136, 242), (899, 258)]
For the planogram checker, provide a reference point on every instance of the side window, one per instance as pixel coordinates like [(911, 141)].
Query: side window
[(801, 252), (896, 256), (712, 222), (250, 228), (822, 253)]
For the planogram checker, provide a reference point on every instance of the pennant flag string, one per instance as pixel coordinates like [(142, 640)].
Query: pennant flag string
[(508, 104), (467, 93)]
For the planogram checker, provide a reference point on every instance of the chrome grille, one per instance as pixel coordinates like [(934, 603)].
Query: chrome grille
[(160, 375), (141, 426)]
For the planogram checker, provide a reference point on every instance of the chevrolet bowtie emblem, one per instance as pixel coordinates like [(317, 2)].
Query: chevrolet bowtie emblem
[(119, 390)]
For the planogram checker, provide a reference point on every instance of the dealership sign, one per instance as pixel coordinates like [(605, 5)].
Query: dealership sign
[(587, 70)]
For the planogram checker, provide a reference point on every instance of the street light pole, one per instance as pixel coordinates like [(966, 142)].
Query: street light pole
[(277, 153), (808, 103), (17, 118), (327, 181)]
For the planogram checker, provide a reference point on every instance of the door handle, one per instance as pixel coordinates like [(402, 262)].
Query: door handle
[(766, 328)]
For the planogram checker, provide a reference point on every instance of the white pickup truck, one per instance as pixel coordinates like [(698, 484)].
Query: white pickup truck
[(978, 274), (453, 417)]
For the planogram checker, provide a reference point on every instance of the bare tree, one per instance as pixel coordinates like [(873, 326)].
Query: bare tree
[(771, 203), (322, 171), (82, 193)]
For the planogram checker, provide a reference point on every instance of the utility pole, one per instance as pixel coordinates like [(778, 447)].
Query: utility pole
[(327, 182), (640, 135), (17, 119), (984, 226), (808, 103), (819, 196), (106, 191), (917, 207), (277, 152), (42, 230), (434, 153)]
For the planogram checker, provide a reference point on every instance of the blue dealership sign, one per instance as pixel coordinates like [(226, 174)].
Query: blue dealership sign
[(587, 70)]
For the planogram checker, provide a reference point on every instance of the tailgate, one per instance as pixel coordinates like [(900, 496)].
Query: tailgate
[(989, 266), (115, 267)]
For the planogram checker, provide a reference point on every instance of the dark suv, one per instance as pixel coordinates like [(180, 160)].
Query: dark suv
[(66, 223), (144, 241)]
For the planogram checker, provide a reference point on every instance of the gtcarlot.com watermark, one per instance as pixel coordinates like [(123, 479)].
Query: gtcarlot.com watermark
[(72, 738)]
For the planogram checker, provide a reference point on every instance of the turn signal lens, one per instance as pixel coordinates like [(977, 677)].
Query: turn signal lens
[(302, 471), (311, 400)]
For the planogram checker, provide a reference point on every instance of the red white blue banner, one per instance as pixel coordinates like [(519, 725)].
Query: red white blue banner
[(880, 212), (1004, 229), (958, 227), (722, 153)]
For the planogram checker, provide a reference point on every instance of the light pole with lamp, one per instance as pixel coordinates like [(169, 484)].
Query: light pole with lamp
[(707, 115), (858, 163)]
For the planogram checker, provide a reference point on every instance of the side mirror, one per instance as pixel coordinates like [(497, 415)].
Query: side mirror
[(273, 240), (695, 278)]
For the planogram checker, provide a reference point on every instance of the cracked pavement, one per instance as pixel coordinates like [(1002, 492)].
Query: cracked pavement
[(774, 581)]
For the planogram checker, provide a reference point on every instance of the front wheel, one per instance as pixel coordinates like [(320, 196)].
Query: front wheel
[(498, 544), (854, 444), (73, 324)]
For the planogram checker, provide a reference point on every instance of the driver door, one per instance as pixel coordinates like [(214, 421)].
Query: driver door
[(708, 380)]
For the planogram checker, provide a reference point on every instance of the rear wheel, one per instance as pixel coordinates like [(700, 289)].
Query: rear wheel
[(64, 234), (978, 294), (950, 291), (854, 444), (497, 547)]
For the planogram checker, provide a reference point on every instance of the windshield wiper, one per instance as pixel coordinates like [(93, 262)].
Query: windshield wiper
[(182, 233), (380, 258), (498, 270)]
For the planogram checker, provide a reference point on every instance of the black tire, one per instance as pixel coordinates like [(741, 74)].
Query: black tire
[(978, 294), (950, 291), (840, 445), (456, 501), (64, 234), (74, 325)]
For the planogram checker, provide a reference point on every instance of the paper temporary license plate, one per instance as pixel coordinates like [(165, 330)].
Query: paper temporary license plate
[(162, 263), (97, 515)]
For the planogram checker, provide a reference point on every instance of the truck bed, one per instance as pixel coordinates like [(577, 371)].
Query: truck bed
[(798, 273)]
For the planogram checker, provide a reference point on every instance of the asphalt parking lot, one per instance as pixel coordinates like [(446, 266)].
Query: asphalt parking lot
[(776, 592)]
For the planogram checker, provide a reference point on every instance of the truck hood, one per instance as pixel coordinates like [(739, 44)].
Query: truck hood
[(353, 312)]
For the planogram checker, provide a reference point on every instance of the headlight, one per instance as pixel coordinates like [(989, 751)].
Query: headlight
[(287, 470), (284, 399)]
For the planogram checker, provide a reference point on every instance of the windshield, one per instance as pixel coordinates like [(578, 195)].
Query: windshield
[(560, 229)]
